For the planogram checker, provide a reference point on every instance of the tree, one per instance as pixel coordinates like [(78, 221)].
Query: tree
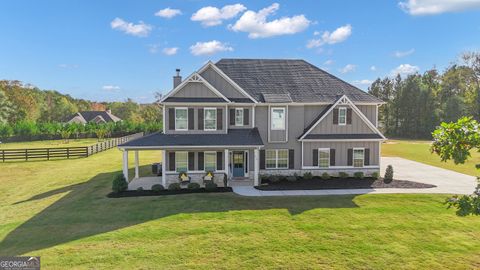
[(455, 141), (5, 107)]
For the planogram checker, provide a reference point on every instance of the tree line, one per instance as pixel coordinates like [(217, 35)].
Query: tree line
[(416, 104)]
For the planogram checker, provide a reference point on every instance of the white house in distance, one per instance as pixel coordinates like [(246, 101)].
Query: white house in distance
[(93, 116)]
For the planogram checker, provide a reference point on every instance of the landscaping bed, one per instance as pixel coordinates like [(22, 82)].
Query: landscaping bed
[(339, 183), (139, 193)]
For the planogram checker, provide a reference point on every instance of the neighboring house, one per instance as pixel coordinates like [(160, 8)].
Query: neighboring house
[(252, 117), (93, 116)]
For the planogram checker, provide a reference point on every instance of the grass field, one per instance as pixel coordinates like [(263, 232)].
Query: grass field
[(420, 151), (49, 143), (58, 210)]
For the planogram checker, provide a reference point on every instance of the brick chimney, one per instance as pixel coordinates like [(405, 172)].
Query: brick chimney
[(177, 79)]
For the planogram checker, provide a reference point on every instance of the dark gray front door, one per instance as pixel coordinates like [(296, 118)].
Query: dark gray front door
[(238, 164)]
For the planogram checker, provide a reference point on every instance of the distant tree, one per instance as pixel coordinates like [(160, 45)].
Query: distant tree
[(5, 107)]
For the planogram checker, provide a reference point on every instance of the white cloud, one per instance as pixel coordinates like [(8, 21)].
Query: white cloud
[(328, 62), (153, 48), (140, 30), (373, 68), (111, 87), (209, 48), (211, 16), (170, 51), (168, 13), (257, 26), (362, 82), (432, 7), (400, 54), (348, 68), (339, 35), (404, 70), (316, 33)]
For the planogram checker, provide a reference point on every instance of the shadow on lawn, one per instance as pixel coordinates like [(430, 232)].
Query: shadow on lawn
[(86, 211)]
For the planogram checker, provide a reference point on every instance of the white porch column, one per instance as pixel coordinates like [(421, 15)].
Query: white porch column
[(256, 160), (125, 164), (227, 171), (164, 168), (136, 164)]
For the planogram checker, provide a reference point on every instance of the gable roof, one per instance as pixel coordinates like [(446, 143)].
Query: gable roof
[(302, 81), (91, 115)]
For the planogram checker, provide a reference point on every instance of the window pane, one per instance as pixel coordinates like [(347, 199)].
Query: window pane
[(270, 157), (358, 156), (181, 161), (210, 119), (278, 119), (210, 161), (181, 116), (283, 163), (342, 116), (239, 117), (324, 158), (283, 153)]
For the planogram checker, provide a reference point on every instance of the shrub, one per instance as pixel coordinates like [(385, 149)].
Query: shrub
[(193, 186), (291, 178), (210, 186), (140, 189), (375, 175), (359, 175), (307, 176), (157, 188), (388, 174), (119, 184), (325, 176), (343, 175), (274, 178), (174, 186)]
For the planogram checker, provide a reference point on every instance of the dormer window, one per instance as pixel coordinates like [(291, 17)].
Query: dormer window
[(342, 116), (210, 119)]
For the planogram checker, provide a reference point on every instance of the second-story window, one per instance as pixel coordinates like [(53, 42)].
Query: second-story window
[(278, 119), (210, 118), (238, 116), (342, 116), (181, 119)]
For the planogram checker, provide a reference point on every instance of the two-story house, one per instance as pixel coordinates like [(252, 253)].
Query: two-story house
[(251, 117)]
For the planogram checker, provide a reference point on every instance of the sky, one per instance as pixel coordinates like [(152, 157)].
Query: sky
[(113, 50)]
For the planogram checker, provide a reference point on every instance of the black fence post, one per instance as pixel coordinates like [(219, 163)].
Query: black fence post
[(68, 153), (48, 153), (26, 154)]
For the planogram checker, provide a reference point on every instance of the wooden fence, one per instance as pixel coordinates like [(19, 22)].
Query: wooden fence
[(63, 152)]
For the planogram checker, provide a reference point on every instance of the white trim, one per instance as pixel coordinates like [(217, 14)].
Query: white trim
[(196, 171), (302, 153), (342, 140), (175, 118), (312, 103), (284, 118), (363, 158), (188, 147), (204, 160), (318, 157), (340, 167), (226, 119), (224, 76), (253, 116), (205, 119), (164, 167), (235, 117), (256, 167), (163, 118), (194, 77), (136, 165), (345, 100), (344, 109)]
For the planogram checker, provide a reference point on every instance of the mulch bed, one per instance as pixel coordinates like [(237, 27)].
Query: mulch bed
[(140, 193), (340, 183)]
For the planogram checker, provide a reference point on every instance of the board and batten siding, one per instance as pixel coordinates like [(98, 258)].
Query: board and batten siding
[(326, 126), (196, 129), (370, 111), (221, 84), (341, 151), (195, 90)]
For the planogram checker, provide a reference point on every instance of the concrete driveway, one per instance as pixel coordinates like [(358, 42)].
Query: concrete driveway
[(446, 181)]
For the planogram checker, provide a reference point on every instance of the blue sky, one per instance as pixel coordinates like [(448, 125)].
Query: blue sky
[(110, 50)]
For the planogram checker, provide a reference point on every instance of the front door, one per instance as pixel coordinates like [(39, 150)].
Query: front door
[(238, 164)]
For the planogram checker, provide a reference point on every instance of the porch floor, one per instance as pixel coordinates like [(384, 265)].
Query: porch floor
[(144, 182)]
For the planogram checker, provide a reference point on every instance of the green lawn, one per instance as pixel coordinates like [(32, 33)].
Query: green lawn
[(420, 151), (58, 210), (49, 143)]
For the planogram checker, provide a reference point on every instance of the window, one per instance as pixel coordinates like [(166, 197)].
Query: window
[(342, 116), (278, 119), (238, 116), (210, 162), (276, 159), (181, 119), (210, 119), (181, 161), (324, 157), (358, 157)]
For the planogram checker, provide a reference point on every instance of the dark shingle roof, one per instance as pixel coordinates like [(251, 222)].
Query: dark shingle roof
[(234, 137), (342, 136), (193, 99), (320, 115), (303, 81), (90, 115)]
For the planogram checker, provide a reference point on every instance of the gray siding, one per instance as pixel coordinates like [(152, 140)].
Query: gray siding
[(341, 149), (221, 84), (370, 111), (326, 126), (250, 114), (195, 89), (195, 118)]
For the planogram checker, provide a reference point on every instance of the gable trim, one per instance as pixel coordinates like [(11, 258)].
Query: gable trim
[(224, 76), (344, 100), (195, 77)]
